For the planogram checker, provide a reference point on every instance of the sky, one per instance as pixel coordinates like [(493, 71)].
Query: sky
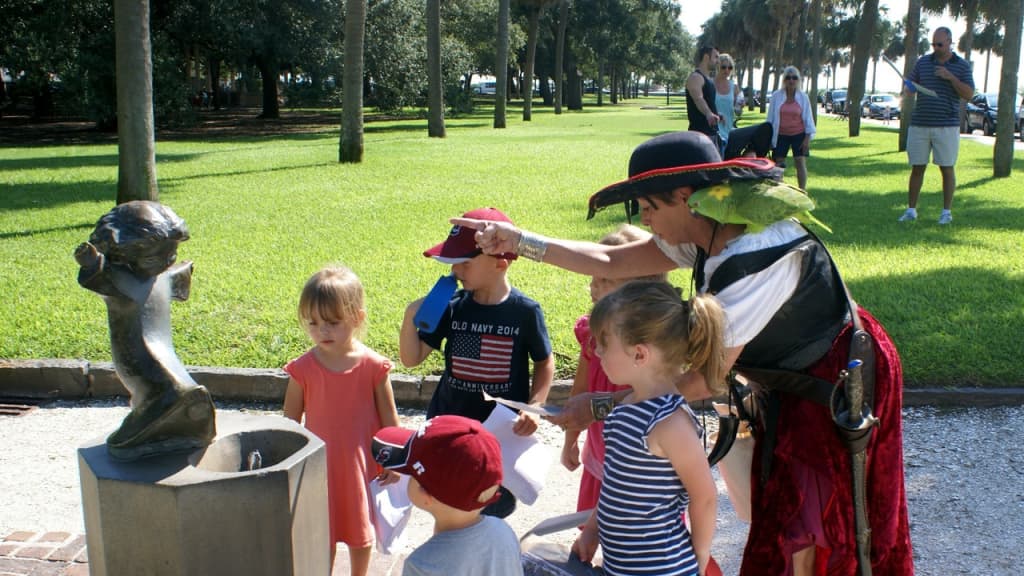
[(696, 12)]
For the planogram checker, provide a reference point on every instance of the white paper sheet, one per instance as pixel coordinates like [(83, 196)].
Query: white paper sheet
[(525, 461), (545, 410), (393, 510)]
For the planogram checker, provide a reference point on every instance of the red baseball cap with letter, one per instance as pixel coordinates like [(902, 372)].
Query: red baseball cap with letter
[(461, 243), (454, 458)]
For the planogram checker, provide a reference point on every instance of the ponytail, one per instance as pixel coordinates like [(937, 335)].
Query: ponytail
[(706, 339)]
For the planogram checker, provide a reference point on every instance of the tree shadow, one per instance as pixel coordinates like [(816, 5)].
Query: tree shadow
[(41, 231), (42, 195)]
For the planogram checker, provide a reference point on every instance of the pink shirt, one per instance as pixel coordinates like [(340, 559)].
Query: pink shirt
[(791, 120)]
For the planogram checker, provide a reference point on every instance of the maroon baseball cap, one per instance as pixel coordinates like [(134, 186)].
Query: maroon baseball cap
[(454, 458), (461, 243)]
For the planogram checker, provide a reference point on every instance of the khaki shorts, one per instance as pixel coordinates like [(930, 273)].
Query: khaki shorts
[(943, 142)]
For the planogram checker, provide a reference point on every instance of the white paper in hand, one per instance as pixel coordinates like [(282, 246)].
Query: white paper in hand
[(544, 410), (393, 510), (525, 461)]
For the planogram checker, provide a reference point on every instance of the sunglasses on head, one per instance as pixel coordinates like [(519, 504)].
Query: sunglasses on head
[(724, 67), (792, 77)]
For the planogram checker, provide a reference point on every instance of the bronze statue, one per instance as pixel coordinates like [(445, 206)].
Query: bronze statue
[(129, 260)]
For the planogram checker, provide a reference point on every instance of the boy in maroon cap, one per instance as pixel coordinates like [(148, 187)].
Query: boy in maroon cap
[(454, 469), (490, 331)]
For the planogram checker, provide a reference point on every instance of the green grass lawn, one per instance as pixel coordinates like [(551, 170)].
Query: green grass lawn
[(265, 212)]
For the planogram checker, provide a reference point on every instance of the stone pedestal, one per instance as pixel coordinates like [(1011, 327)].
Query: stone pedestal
[(205, 513)]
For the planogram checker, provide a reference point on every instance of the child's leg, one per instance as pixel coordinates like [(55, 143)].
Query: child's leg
[(359, 558)]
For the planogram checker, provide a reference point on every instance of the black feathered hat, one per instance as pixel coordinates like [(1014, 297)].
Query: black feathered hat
[(675, 160)]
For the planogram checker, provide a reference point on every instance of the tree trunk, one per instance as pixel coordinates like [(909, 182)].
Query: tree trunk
[(600, 81), (531, 54), (874, 73), (1002, 156), (350, 148), (815, 55), (501, 65), (988, 60), (859, 67), (268, 70), (574, 94), (217, 97), (435, 79), (563, 21), (136, 156), (909, 59)]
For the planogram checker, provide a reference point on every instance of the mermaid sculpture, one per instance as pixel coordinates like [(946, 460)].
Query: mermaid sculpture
[(129, 261)]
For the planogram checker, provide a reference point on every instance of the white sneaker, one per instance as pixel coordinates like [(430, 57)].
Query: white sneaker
[(946, 218), (908, 216)]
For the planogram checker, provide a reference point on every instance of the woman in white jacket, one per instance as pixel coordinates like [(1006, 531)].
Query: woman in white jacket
[(792, 124)]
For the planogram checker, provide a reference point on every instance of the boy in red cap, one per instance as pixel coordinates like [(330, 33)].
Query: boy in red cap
[(454, 469), (490, 332)]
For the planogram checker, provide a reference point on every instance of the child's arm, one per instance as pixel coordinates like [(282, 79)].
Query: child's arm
[(571, 448), (676, 438), (543, 374), (293, 402), (384, 399), (411, 350), (585, 545)]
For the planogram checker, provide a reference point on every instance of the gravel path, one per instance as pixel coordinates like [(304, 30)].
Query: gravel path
[(966, 490)]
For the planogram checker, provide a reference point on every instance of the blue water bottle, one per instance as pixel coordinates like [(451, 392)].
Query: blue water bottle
[(435, 304)]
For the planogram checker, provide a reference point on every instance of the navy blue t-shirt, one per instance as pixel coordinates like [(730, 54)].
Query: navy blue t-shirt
[(943, 110), (486, 348)]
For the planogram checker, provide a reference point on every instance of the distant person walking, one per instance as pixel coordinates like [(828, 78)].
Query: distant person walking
[(700, 94), (935, 123), (792, 124)]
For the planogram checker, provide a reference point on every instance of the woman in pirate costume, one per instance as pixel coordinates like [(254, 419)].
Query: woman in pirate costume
[(818, 388)]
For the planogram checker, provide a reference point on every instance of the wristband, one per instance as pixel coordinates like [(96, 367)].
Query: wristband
[(601, 406), (532, 246)]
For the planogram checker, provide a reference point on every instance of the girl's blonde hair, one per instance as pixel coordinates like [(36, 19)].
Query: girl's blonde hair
[(627, 234), (335, 294), (689, 333), (726, 58)]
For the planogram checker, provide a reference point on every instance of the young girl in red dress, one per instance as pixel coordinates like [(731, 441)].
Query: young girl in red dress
[(343, 389), (590, 377)]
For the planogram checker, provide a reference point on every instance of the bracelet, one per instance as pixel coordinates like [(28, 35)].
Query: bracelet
[(601, 406), (532, 246)]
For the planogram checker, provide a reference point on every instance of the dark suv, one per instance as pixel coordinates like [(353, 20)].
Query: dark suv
[(982, 113)]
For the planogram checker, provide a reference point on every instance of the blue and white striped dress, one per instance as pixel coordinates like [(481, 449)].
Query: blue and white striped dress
[(642, 499)]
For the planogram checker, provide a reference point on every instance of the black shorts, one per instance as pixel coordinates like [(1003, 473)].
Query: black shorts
[(784, 143)]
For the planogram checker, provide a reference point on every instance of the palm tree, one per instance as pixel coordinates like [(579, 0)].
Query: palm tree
[(501, 65), (350, 149), (858, 70), (910, 54), (136, 157), (989, 40), (1002, 156), (534, 8), (435, 78), (563, 21)]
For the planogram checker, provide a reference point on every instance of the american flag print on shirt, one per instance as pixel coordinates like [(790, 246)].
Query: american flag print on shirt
[(482, 357)]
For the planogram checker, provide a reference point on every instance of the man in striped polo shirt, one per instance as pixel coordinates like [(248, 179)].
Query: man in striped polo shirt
[(935, 124)]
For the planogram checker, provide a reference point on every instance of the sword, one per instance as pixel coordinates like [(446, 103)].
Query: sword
[(856, 422), (918, 87)]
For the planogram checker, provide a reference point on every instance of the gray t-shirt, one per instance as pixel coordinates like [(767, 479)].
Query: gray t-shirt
[(487, 548)]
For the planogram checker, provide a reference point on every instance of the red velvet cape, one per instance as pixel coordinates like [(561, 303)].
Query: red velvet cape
[(806, 434)]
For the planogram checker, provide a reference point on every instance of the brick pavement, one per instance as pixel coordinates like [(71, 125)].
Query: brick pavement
[(43, 554)]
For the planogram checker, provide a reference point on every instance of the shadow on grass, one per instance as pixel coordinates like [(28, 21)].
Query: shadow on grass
[(958, 317), (27, 233), (42, 195), (85, 161)]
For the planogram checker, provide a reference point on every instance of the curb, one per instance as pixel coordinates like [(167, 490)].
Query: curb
[(51, 379)]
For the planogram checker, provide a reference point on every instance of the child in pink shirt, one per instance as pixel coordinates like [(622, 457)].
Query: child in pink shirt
[(344, 390), (590, 377)]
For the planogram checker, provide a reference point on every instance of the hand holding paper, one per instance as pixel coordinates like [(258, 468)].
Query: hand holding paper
[(545, 410)]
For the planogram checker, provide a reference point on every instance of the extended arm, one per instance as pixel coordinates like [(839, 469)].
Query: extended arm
[(294, 404), (411, 350), (695, 88)]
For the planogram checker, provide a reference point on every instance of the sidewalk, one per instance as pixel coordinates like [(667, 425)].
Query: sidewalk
[(43, 554)]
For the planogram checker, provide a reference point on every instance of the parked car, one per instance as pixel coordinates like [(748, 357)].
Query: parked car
[(875, 105), (1020, 120), (838, 102), (982, 113)]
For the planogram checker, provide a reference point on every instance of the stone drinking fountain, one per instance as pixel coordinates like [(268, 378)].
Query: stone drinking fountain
[(165, 494)]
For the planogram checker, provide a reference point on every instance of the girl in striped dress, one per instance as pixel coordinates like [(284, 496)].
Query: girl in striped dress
[(655, 466)]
